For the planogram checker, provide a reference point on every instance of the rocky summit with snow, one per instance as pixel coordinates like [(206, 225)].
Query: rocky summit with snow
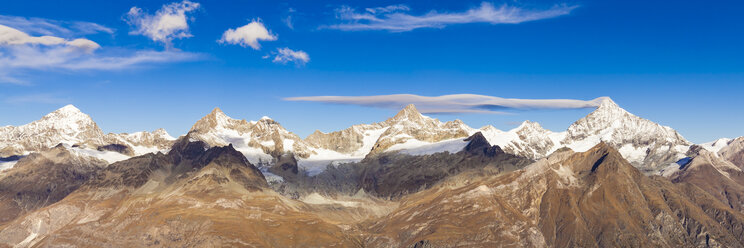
[(647, 145), (612, 179)]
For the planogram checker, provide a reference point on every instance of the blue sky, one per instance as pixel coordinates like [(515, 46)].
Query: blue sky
[(677, 63)]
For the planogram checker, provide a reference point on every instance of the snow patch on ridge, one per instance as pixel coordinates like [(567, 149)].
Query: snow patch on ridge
[(7, 165), (716, 145), (418, 148)]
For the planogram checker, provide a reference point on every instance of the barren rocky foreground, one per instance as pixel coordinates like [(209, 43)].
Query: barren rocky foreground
[(201, 196)]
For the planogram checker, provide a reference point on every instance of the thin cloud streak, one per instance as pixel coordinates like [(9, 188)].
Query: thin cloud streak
[(38, 98), (395, 18), (42, 26), (453, 104)]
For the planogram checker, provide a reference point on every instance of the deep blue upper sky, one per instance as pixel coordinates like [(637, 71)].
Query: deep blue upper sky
[(678, 63)]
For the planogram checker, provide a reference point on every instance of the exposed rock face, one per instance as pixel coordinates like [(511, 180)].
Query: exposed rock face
[(590, 199), (396, 174), (714, 174), (734, 152), (263, 137), (66, 125), (285, 166), (184, 159), (117, 148), (357, 140), (41, 179)]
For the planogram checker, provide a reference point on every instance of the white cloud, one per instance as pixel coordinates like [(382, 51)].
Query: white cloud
[(248, 35), (41, 26), (288, 20), (20, 53), (12, 36), (450, 104), (284, 55), (168, 23), (394, 18)]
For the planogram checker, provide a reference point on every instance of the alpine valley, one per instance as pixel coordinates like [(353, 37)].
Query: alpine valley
[(612, 179)]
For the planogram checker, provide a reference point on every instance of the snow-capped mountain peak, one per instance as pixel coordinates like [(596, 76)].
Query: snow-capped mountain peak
[(68, 117), (218, 120), (260, 140), (69, 108), (409, 114), (530, 126), (490, 129), (66, 125), (640, 140)]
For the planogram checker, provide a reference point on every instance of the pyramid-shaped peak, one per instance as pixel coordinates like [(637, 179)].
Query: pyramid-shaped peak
[(490, 128), (529, 124), (606, 102), (216, 118), (608, 109), (409, 112), (217, 110), (69, 108), (217, 114), (68, 113), (410, 108)]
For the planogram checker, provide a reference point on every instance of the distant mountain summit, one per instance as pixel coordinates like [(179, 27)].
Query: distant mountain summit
[(66, 125), (407, 129), (73, 128), (260, 141), (645, 144)]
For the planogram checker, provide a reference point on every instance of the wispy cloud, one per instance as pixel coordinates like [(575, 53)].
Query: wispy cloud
[(396, 18), (167, 24), (285, 55), (453, 104), (44, 98), (248, 35), (288, 20), (41, 26), (21, 53)]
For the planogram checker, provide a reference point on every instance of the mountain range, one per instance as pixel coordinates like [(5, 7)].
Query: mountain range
[(610, 179), (647, 145)]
